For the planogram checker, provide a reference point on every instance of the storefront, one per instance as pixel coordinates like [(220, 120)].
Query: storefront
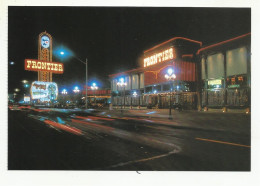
[(216, 76), (225, 73), (147, 86)]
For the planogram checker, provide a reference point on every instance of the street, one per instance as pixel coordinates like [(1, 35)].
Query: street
[(60, 139)]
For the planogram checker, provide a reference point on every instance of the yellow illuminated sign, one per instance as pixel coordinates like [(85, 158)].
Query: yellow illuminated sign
[(37, 65), (159, 57), (214, 82)]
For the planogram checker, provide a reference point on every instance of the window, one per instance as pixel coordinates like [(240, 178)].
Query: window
[(236, 61), (215, 66)]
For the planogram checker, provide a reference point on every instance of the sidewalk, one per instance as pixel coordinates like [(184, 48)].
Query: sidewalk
[(237, 122)]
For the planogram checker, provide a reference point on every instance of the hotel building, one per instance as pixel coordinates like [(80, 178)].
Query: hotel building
[(213, 76)]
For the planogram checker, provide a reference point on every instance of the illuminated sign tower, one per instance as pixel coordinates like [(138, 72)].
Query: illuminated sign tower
[(45, 54)]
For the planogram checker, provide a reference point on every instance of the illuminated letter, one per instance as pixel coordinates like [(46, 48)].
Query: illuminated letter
[(145, 62), (154, 59), (60, 68), (34, 64), (171, 53), (28, 63), (151, 60), (160, 57), (56, 67), (48, 66), (166, 55), (51, 66), (44, 66), (39, 65)]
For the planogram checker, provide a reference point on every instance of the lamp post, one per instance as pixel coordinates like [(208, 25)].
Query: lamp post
[(86, 63), (94, 88), (64, 91), (122, 84), (170, 76), (76, 90), (134, 94)]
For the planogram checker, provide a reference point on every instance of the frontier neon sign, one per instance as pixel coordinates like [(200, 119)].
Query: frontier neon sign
[(163, 56), (39, 65)]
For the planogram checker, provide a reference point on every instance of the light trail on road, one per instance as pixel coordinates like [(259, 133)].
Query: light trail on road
[(223, 142)]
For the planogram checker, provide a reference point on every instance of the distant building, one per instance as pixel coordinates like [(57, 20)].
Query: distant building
[(216, 76), (100, 96)]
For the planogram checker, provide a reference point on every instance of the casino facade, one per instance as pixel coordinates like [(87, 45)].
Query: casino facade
[(213, 76)]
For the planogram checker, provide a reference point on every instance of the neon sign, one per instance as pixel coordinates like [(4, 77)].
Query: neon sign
[(37, 65), (44, 90), (45, 41), (163, 56)]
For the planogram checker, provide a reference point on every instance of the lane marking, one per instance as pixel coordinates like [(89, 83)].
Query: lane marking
[(145, 159), (223, 142)]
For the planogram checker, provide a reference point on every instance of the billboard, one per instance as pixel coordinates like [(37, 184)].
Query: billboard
[(27, 99), (45, 91), (40, 65)]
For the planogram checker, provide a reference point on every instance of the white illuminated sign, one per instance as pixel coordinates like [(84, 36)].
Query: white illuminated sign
[(44, 90), (45, 41), (26, 99), (159, 57), (214, 82)]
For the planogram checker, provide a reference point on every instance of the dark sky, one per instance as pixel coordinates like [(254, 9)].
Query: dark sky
[(111, 38)]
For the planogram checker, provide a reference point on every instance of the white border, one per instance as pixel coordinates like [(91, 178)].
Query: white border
[(131, 178)]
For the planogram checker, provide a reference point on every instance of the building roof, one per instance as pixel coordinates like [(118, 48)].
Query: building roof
[(223, 42), (126, 72), (175, 38)]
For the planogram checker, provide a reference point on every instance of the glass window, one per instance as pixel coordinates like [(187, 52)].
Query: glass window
[(236, 61), (216, 97), (148, 89), (166, 87), (237, 81), (114, 86), (142, 80), (157, 88), (237, 97), (203, 74), (215, 66), (135, 81)]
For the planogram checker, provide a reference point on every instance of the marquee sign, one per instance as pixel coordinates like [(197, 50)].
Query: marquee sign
[(163, 56), (39, 65), (45, 91), (45, 54)]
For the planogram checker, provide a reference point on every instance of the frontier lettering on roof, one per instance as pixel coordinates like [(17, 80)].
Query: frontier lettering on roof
[(163, 56), (39, 65)]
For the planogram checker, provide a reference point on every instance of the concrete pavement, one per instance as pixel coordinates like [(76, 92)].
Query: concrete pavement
[(232, 121)]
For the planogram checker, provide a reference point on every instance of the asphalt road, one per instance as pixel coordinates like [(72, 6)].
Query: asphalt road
[(41, 139)]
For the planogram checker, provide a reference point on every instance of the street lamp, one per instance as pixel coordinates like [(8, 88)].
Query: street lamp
[(76, 90), (86, 63), (170, 76), (122, 84), (16, 89), (12, 63), (64, 91), (24, 81), (94, 88), (134, 95)]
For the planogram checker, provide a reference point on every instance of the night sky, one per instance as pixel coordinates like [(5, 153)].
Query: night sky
[(112, 39)]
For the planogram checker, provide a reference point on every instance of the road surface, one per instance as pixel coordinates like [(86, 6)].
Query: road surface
[(47, 139)]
